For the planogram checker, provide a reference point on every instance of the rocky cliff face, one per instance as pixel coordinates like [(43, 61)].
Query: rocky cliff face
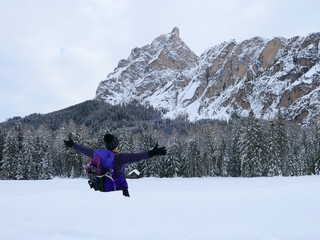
[(259, 74)]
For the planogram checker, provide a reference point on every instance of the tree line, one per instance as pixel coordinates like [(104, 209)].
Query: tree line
[(241, 147)]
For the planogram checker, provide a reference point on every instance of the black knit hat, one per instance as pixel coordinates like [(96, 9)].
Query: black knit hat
[(110, 141)]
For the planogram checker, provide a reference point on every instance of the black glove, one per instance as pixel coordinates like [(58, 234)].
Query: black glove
[(157, 151), (69, 143)]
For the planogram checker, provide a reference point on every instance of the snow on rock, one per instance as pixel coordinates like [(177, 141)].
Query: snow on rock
[(257, 74)]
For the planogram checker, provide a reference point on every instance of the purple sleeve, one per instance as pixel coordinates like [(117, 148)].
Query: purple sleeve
[(127, 158), (84, 150)]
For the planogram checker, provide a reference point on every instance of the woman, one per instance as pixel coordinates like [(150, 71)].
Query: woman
[(120, 159)]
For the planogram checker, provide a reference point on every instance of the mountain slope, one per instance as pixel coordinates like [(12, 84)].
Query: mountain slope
[(94, 114), (259, 74)]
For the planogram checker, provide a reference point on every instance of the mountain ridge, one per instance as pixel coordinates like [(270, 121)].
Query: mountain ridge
[(257, 74)]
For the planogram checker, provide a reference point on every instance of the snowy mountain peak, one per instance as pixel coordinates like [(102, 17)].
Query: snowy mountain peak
[(259, 74), (169, 38), (175, 31), (151, 74)]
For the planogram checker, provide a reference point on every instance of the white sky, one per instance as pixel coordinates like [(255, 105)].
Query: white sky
[(53, 54)]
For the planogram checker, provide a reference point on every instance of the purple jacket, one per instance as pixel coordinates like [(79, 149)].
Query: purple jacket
[(120, 159)]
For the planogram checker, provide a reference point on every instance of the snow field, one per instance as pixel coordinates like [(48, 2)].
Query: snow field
[(178, 208)]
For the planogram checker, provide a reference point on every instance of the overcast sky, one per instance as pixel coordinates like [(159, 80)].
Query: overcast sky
[(53, 54)]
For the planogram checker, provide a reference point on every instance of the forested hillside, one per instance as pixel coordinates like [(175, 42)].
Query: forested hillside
[(33, 148), (94, 114)]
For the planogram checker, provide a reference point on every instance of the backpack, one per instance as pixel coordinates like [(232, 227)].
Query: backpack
[(98, 172)]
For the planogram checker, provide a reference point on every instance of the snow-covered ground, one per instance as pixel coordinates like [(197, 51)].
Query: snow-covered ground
[(199, 208)]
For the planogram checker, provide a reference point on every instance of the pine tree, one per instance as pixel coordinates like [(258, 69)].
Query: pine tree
[(29, 165), (44, 138), (296, 151), (72, 158), (172, 159), (208, 153), (251, 148), (311, 149), (235, 162), (225, 159), (303, 154), (215, 153), (274, 161), (147, 168), (192, 158), (60, 152), (127, 144), (19, 135), (86, 139), (11, 154), (282, 143)]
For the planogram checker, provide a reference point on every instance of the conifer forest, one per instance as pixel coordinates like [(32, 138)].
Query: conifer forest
[(32, 147)]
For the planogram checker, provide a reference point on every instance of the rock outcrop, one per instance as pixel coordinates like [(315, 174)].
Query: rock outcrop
[(257, 74)]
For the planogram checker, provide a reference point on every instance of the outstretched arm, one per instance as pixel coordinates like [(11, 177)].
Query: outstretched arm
[(84, 150), (127, 158), (81, 149)]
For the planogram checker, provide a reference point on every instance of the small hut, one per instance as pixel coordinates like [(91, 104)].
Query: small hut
[(134, 174)]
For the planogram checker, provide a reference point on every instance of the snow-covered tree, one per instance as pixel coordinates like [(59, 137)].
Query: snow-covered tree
[(73, 158), (235, 162), (86, 139), (43, 150), (11, 153), (19, 131), (281, 138), (99, 138), (273, 161), (226, 153), (29, 164), (208, 152), (60, 152), (251, 148), (172, 159), (211, 153), (146, 142), (192, 159), (311, 145)]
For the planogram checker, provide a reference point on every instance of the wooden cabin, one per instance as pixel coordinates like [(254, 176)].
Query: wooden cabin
[(134, 174)]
